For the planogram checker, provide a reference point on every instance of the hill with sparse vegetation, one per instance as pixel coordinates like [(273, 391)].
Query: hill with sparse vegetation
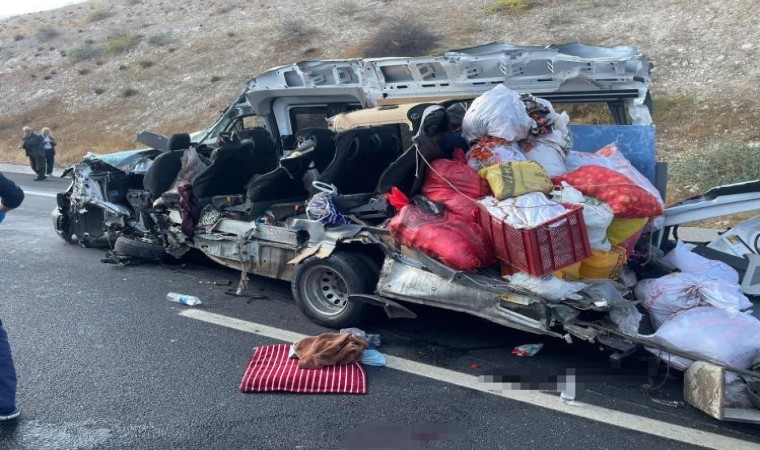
[(100, 71)]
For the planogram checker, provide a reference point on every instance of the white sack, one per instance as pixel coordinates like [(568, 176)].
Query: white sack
[(498, 112), (687, 261), (711, 334), (551, 158), (499, 154), (596, 214), (524, 211), (672, 293)]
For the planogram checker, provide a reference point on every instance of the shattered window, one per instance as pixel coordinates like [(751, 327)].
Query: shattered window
[(311, 117), (252, 122)]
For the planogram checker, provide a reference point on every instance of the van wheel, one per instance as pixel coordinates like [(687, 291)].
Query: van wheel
[(321, 288), (138, 249), (62, 225)]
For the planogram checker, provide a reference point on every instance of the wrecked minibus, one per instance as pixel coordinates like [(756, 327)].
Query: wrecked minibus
[(319, 174)]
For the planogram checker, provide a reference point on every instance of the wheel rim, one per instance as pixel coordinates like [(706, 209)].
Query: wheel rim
[(324, 290)]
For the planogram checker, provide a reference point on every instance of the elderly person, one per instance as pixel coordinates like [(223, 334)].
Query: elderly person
[(11, 197), (34, 146), (49, 144)]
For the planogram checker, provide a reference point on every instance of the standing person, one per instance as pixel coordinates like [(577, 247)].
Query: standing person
[(49, 141), (34, 146), (11, 197)]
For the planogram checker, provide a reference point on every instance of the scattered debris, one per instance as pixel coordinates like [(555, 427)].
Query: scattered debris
[(189, 300), (527, 349)]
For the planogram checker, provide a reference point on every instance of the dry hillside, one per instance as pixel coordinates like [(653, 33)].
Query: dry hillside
[(98, 72)]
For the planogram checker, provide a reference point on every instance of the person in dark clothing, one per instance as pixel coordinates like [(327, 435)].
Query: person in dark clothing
[(11, 197), (49, 144), (34, 146)]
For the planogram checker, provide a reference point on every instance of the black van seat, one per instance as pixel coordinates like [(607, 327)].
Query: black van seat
[(262, 142), (232, 167), (179, 141), (283, 185), (401, 174), (324, 148), (361, 157), (408, 171), (162, 173), (165, 167)]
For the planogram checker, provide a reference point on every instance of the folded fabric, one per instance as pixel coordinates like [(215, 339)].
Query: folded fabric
[(329, 349), (269, 369)]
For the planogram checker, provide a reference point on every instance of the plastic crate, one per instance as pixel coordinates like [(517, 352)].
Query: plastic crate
[(543, 249)]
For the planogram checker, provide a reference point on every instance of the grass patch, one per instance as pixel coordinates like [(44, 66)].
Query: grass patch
[(398, 37), (346, 8), (97, 15), (160, 39), (84, 52), (296, 28), (666, 109), (290, 34), (512, 6), (127, 92), (122, 41), (224, 9), (668, 103), (714, 164), (586, 114), (46, 33)]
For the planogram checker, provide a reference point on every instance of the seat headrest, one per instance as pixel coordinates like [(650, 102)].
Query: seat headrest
[(179, 141)]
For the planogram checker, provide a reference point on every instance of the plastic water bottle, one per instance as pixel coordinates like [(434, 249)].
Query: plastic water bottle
[(567, 394), (188, 300), (567, 398)]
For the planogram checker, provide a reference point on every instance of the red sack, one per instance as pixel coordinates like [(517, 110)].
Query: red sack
[(457, 242), (445, 176), (396, 198), (624, 197)]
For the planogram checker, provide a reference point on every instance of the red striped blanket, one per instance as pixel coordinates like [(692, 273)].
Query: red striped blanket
[(270, 369)]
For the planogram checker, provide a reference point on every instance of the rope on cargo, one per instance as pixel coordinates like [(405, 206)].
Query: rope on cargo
[(430, 166)]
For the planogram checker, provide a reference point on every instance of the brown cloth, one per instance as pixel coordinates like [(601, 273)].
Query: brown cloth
[(329, 349)]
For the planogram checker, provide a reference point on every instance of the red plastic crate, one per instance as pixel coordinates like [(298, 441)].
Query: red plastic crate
[(544, 248)]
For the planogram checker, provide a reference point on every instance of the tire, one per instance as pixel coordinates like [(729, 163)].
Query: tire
[(62, 226), (138, 249), (371, 264), (321, 288)]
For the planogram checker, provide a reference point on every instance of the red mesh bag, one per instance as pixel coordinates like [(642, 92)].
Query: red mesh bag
[(455, 184), (624, 197), (457, 242)]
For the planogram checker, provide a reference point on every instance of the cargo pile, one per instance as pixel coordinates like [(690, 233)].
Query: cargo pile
[(564, 225), (524, 197)]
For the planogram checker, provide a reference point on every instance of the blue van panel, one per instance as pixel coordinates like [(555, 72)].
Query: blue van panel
[(635, 141)]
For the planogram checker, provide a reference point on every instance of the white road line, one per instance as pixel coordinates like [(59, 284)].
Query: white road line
[(39, 194), (548, 401)]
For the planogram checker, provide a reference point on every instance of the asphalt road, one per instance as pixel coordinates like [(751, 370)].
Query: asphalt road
[(105, 361)]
